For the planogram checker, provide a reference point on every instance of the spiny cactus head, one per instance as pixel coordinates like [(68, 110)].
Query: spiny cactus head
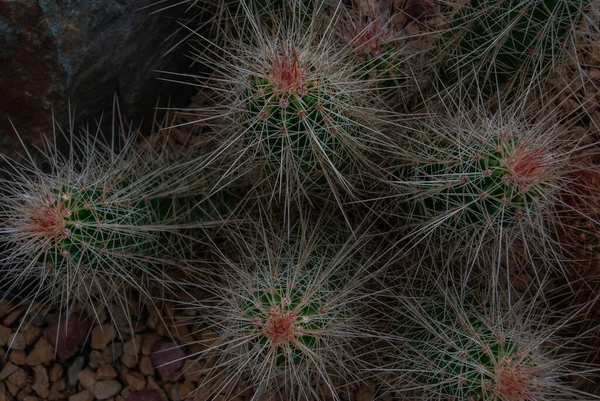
[(460, 347), (288, 320), (509, 42), (488, 176)]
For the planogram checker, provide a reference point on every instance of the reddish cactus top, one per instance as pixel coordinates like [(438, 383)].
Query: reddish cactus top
[(513, 380), (526, 167), (287, 73)]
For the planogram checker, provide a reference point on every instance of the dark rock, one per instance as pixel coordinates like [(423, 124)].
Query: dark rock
[(144, 395), (67, 335), (167, 357), (82, 51)]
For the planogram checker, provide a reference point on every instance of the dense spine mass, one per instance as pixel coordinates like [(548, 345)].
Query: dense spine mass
[(492, 43)]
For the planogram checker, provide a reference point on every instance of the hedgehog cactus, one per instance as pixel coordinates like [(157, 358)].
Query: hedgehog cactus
[(295, 112), (378, 51), (494, 180), (477, 173), (459, 347), (289, 323), (495, 42), (299, 118), (99, 223)]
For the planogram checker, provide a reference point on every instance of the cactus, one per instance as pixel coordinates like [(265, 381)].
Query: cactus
[(459, 347), (491, 43), (290, 322), (100, 222), (379, 53), (294, 111), (483, 178)]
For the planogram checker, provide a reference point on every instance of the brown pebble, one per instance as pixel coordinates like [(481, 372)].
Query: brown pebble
[(186, 389), (31, 333), (148, 341), (113, 352), (5, 335), (17, 357), (136, 381), (96, 359), (145, 366), (106, 372), (12, 388), (56, 373), (82, 396), (87, 378), (103, 335), (129, 360), (18, 378), (13, 316), (8, 370), (41, 383), (132, 347), (56, 390), (43, 353), (594, 73), (17, 341), (106, 389)]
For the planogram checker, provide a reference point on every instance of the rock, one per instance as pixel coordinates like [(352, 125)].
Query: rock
[(74, 369), (144, 395), (365, 393), (102, 335), (129, 360), (136, 381), (82, 396), (193, 370), (148, 341), (145, 366), (17, 341), (56, 373), (84, 51), (113, 352), (8, 370), (18, 378), (186, 390), (42, 354), (67, 335), (15, 314), (41, 383), (56, 390), (17, 357), (5, 335), (31, 333), (96, 359), (106, 372), (594, 73), (167, 357), (106, 389), (132, 347), (87, 377)]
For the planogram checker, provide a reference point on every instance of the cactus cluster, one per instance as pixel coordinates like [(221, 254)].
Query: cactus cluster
[(364, 208)]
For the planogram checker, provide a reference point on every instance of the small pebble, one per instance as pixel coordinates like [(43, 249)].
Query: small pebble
[(74, 369), (106, 389)]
